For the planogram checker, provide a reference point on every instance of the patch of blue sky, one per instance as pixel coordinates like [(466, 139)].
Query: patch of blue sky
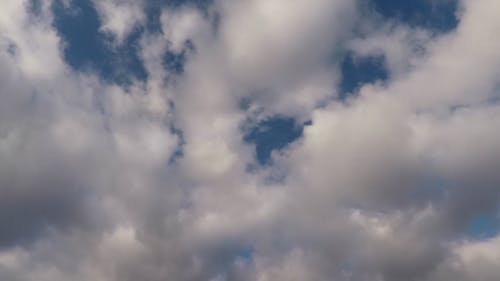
[(484, 226), (35, 6), (225, 256), (202, 4), (174, 62), (437, 15), (245, 253), (357, 71), (273, 134), (179, 150), (87, 49)]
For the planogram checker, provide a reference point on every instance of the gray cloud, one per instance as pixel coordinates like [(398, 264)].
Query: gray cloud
[(381, 186)]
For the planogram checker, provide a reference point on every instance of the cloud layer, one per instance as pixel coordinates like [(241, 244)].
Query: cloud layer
[(109, 175)]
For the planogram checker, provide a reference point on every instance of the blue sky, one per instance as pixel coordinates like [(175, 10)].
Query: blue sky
[(249, 140)]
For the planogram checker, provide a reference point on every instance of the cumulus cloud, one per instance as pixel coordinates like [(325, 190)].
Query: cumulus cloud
[(120, 17), (155, 180)]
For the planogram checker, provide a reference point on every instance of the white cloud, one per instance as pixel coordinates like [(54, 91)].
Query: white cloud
[(120, 17), (381, 186), (179, 26)]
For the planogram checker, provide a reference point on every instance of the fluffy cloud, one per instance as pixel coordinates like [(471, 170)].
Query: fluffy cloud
[(153, 180), (120, 17)]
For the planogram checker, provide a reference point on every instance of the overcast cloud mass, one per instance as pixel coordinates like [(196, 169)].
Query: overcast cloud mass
[(249, 140)]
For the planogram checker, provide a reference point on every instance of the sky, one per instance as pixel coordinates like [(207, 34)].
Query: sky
[(249, 140)]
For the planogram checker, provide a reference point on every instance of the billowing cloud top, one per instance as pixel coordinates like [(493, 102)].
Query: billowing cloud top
[(249, 140)]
